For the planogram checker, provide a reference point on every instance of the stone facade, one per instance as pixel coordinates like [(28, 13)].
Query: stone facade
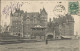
[(61, 26), (64, 26), (22, 22), (16, 22)]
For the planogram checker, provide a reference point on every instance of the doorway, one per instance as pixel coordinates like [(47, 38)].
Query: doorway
[(50, 37)]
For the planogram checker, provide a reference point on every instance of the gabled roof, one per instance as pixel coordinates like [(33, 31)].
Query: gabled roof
[(43, 11), (64, 19), (33, 14), (38, 26), (17, 13), (69, 17)]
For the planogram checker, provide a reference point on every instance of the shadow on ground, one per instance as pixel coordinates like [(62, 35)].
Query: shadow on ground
[(16, 42)]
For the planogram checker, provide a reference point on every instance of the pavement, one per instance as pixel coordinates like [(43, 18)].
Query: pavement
[(56, 45)]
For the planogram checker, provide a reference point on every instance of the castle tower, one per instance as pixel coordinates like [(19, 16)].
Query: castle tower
[(16, 23), (64, 26), (68, 26), (43, 17), (70, 22)]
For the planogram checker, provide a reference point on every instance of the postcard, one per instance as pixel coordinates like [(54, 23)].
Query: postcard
[(40, 25)]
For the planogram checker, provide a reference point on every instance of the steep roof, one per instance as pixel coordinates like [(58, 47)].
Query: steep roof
[(43, 11), (69, 17), (64, 19), (17, 12), (33, 14)]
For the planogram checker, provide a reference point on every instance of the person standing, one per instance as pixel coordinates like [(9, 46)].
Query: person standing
[(46, 41)]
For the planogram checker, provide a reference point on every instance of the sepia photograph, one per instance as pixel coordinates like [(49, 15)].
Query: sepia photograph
[(40, 25)]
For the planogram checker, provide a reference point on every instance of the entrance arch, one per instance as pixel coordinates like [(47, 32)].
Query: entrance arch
[(49, 36)]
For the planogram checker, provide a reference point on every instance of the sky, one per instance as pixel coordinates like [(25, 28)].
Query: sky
[(35, 6)]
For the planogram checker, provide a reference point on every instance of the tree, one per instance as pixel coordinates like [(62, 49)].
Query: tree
[(0, 28)]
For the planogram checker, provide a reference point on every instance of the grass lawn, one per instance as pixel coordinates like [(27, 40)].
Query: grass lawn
[(56, 45)]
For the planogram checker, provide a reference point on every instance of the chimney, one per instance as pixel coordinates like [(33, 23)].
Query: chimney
[(40, 10)]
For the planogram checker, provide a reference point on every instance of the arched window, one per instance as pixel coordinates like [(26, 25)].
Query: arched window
[(28, 20)]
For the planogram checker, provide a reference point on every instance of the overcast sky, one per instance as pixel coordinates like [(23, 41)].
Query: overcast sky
[(35, 6)]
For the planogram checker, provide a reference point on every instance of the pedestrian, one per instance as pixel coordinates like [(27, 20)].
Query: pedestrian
[(46, 41)]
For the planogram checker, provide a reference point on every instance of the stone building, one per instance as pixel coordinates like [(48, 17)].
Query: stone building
[(64, 26), (25, 24), (22, 22), (16, 22)]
